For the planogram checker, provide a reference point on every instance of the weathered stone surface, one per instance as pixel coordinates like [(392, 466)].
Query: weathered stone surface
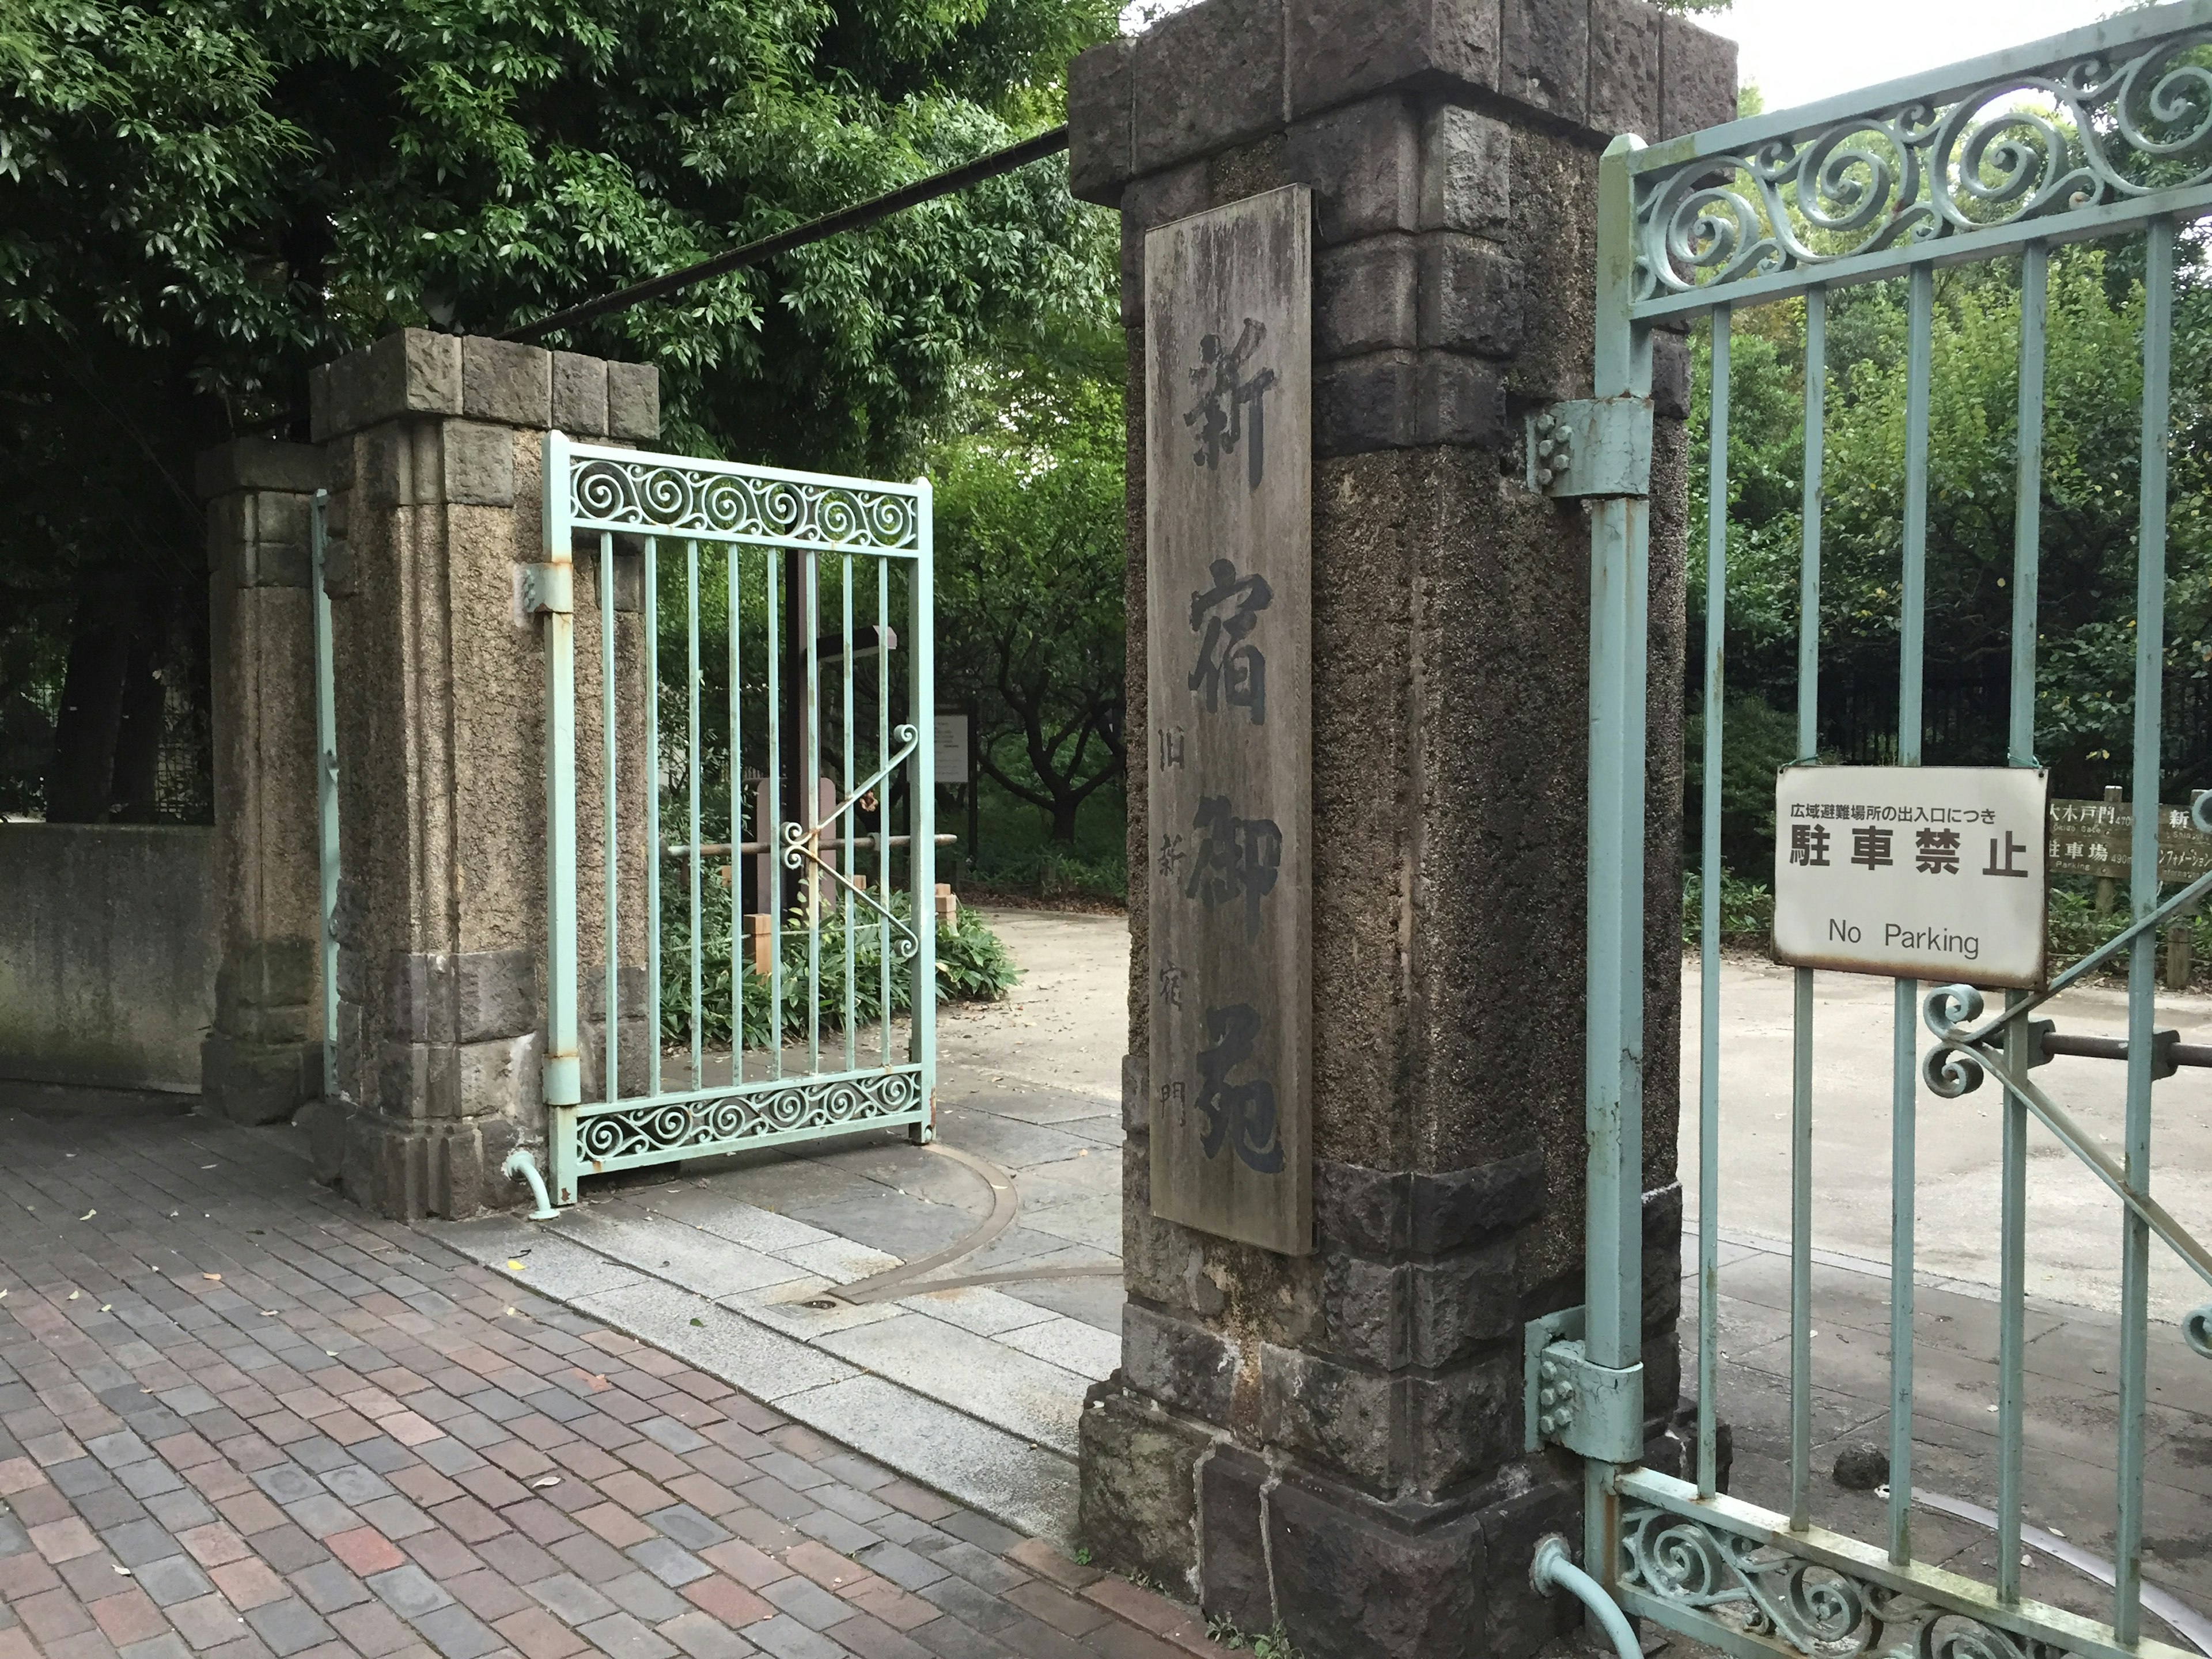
[(1366, 297), (1101, 94), (1861, 1467), (412, 372), (1367, 1399), (1470, 296), (1348, 1583), (1670, 377), (1365, 404), (1150, 203), (1363, 163), (478, 464), (502, 380), (1545, 61), (258, 1083), (1137, 1507), (1179, 1363), (258, 464), (1233, 1494), (1136, 1094), (580, 395), (1342, 52), (1624, 67), (633, 401), (1204, 79), (1697, 78), (468, 996), (1467, 171)]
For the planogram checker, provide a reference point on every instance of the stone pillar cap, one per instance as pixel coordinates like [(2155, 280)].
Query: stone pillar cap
[(473, 377), (1225, 72), (258, 464)]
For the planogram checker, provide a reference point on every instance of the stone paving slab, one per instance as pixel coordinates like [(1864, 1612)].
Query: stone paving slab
[(238, 1418)]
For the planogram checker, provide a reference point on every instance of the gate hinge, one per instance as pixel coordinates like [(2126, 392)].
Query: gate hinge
[(1590, 1409), (549, 588), (1589, 449)]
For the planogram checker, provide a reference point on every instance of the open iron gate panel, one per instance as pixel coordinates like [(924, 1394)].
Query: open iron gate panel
[(2104, 132)]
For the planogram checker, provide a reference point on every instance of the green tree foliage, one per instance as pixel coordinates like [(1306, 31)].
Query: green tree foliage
[(1031, 552), (2092, 466), (207, 198)]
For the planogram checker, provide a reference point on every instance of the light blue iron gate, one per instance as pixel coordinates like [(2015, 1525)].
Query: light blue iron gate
[(2106, 133), (847, 907)]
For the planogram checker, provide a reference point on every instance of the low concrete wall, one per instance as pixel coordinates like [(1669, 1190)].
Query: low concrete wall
[(109, 938)]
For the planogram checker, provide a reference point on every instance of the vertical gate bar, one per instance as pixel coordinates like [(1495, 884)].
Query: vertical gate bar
[(611, 997), (1708, 914), (737, 836), (1612, 1057), (2011, 1248), (921, 808), (1800, 1068), (808, 804), (2143, 985), (771, 832), (326, 785), (691, 677), (848, 825), (884, 798), (655, 852), (1904, 1079), (562, 1078)]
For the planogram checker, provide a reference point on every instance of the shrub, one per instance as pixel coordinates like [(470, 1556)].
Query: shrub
[(972, 966)]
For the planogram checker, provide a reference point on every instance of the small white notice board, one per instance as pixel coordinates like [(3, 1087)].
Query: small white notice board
[(1932, 873), (953, 762)]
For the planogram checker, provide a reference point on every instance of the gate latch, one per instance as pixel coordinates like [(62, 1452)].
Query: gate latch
[(1590, 1409), (549, 588), (1591, 449)]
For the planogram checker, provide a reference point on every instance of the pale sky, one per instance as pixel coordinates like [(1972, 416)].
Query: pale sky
[(1799, 52)]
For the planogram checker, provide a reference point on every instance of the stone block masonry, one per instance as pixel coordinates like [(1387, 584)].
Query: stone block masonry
[(432, 447), (1334, 1442)]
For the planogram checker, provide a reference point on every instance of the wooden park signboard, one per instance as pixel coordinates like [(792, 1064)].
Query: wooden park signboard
[(1229, 411)]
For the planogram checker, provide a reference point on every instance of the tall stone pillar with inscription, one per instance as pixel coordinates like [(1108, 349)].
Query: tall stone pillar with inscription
[(1357, 256)]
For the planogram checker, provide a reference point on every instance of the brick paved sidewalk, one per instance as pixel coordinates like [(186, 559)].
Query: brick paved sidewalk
[(239, 1419)]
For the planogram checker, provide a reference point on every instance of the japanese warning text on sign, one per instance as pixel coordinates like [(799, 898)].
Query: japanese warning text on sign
[(1932, 873), (1229, 758)]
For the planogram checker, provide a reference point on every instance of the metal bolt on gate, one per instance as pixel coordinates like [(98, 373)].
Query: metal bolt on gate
[(2104, 132)]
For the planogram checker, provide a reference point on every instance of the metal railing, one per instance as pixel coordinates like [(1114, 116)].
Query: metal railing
[(759, 547), (2104, 132)]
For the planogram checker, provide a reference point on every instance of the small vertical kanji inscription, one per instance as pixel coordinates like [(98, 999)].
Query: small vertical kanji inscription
[(1228, 397)]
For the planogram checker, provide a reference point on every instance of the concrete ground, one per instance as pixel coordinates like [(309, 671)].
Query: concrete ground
[(239, 1420), (1029, 1089), (975, 1390)]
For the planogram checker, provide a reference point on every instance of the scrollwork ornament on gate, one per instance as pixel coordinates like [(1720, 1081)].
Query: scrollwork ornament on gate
[(1950, 1070), (1760, 1590), (2073, 137), (658, 1128), (655, 494)]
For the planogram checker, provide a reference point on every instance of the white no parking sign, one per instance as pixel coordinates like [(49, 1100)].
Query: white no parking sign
[(1913, 872)]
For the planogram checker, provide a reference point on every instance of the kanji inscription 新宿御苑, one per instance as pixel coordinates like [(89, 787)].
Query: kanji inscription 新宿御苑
[(1228, 397)]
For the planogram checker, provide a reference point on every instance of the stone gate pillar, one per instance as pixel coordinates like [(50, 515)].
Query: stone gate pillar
[(264, 1058), (1333, 1441), (433, 446)]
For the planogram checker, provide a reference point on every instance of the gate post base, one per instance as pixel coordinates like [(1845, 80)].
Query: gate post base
[(406, 1170)]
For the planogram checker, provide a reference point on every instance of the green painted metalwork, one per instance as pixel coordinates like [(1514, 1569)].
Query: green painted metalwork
[(326, 783), (2010, 155), (772, 531), (1935, 169)]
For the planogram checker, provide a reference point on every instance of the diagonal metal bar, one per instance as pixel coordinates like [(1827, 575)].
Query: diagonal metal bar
[(2166, 912), (2060, 1122)]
